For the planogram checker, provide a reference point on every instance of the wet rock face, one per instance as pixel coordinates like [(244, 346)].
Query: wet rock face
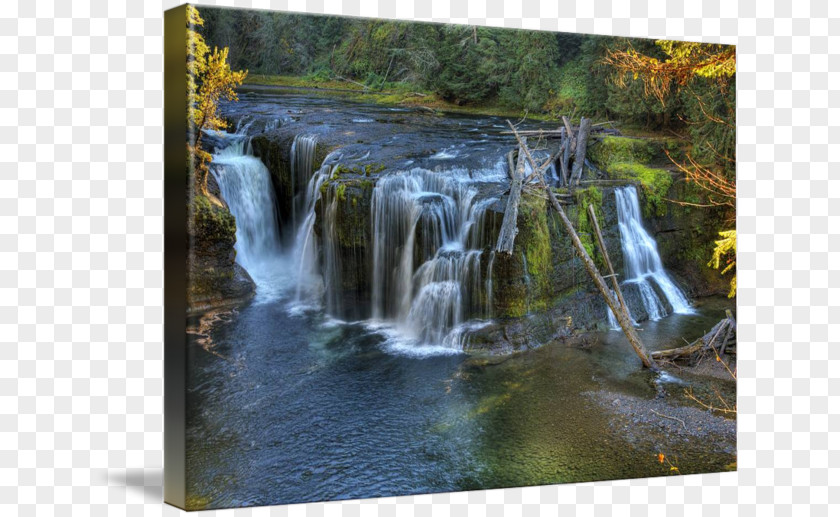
[(344, 230), (685, 236), (273, 150), (561, 323)]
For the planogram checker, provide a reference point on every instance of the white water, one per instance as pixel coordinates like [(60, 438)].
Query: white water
[(245, 185), (301, 164), (642, 263), (427, 277)]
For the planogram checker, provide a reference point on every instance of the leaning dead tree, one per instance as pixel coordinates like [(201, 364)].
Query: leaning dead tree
[(620, 312), (603, 248)]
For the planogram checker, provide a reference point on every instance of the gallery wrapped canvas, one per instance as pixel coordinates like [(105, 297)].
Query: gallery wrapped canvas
[(408, 258)]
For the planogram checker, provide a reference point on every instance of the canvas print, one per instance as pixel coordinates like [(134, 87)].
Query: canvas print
[(410, 258)]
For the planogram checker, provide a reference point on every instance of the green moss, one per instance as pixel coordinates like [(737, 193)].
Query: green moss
[(585, 197), (536, 241), (560, 190), (212, 223), (655, 184), (340, 192), (366, 170), (618, 149), (516, 307), (374, 168)]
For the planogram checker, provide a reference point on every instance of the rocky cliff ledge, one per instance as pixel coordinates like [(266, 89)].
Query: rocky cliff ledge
[(214, 279)]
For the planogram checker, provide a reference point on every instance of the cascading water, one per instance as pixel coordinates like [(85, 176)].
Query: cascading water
[(306, 246), (427, 231), (301, 163), (642, 263), (245, 185), (313, 280)]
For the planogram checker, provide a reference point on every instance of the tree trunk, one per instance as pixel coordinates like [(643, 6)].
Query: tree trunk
[(603, 248), (580, 149), (508, 232), (564, 160)]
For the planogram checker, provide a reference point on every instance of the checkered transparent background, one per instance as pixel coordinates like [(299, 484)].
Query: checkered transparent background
[(81, 254)]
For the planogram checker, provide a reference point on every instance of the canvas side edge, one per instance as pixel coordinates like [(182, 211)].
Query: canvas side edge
[(175, 255)]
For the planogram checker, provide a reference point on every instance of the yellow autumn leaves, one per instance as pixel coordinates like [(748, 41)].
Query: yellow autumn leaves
[(726, 249), (209, 80)]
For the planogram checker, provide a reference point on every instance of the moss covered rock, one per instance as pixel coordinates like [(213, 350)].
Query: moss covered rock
[(214, 280), (615, 149), (344, 229), (544, 273)]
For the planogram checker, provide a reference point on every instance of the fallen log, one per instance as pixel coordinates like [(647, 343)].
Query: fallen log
[(568, 127), (623, 319), (717, 337), (535, 132), (508, 231)]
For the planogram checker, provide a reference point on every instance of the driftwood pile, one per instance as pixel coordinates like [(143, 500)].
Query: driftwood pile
[(573, 141), (720, 340)]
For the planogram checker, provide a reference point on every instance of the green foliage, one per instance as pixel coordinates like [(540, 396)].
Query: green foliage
[(571, 91), (711, 109), (726, 249), (340, 191)]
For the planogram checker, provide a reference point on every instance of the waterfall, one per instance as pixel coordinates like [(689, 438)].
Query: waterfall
[(306, 246), (301, 163), (642, 263), (245, 185), (310, 282), (427, 230), (442, 284), (488, 284)]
